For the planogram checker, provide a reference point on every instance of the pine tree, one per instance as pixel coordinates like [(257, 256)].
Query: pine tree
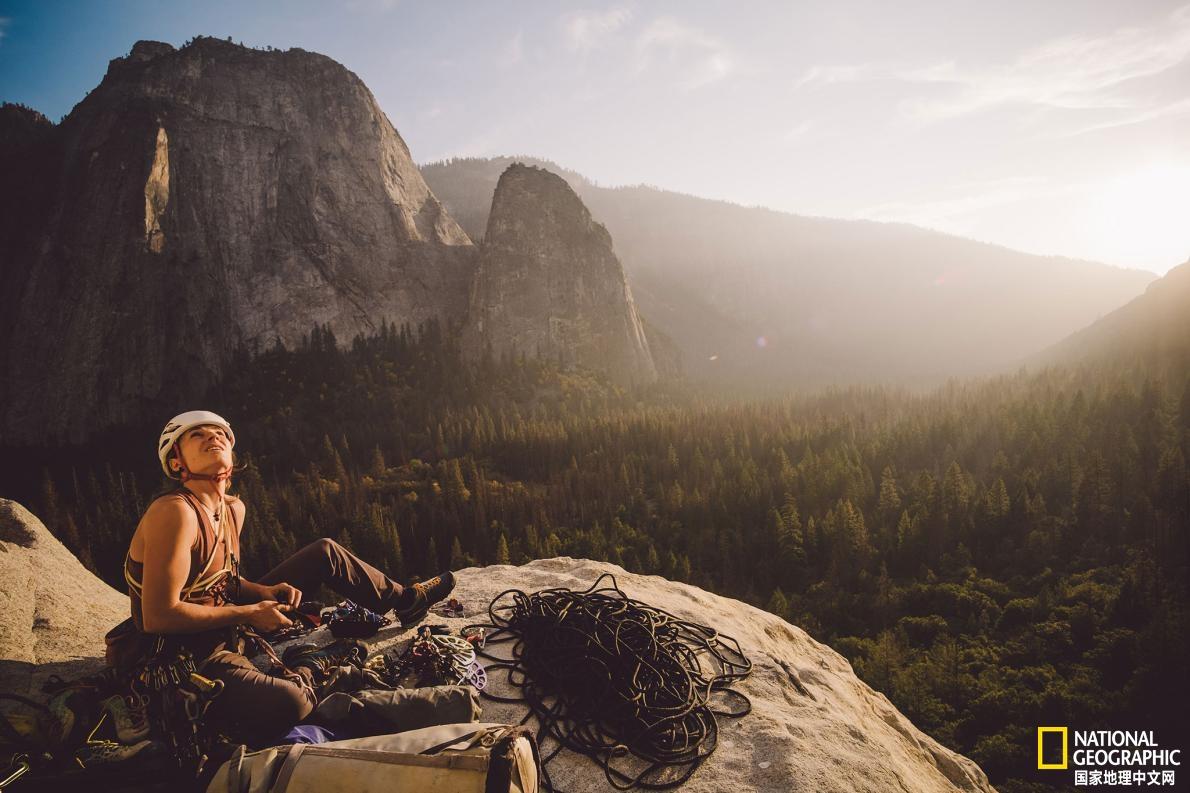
[(778, 604), (997, 501), (378, 467), (432, 554), (890, 499), (457, 560), (456, 488), (653, 561)]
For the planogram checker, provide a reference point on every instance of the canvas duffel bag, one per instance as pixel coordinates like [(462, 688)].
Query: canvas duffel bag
[(453, 758)]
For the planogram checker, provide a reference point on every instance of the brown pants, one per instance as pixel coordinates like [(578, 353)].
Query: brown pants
[(256, 708)]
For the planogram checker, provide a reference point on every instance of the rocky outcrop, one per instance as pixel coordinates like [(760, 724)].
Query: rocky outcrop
[(53, 611), (200, 199), (814, 725), (549, 283)]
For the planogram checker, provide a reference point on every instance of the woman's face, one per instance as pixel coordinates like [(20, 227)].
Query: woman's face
[(206, 449)]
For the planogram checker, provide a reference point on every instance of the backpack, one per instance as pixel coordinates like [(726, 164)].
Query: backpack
[(453, 758)]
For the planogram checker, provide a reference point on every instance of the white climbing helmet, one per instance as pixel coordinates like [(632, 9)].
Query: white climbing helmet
[(178, 425)]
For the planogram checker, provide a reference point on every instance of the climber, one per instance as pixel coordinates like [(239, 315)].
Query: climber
[(182, 570)]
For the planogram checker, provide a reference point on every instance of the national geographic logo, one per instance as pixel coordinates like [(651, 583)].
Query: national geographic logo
[(1107, 757), (1052, 748)]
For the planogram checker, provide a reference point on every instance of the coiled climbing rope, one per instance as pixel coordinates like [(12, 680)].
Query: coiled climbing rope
[(631, 686)]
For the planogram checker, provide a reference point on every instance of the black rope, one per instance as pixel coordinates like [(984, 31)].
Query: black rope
[(631, 686)]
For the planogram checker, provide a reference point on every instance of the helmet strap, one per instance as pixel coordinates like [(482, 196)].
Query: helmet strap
[(185, 474)]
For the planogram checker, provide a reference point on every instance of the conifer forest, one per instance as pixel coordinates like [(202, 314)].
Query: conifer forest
[(992, 555)]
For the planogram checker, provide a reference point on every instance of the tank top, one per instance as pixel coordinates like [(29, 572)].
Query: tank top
[(213, 577)]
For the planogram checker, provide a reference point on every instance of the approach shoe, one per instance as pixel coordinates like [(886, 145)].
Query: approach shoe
[(100, 753), (425, 594), (75, 714), (322, 660), (128, 718)]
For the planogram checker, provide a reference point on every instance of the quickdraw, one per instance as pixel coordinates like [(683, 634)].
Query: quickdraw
[(17, 769), (176, 698)]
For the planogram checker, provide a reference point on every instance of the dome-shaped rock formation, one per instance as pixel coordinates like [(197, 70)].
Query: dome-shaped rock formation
[(549, 283), (197, 200)]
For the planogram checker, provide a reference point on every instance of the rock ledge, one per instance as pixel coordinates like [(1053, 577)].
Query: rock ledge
[(814, 725)]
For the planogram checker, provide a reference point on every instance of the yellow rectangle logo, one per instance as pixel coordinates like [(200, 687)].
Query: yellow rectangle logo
[(1041, 764)]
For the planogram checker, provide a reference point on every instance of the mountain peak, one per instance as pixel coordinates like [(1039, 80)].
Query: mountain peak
[(549, 283), (200, 200)]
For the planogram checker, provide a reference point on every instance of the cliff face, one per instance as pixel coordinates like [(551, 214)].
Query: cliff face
[(203, 198), (814, 725), (26, 152), (549, 283)]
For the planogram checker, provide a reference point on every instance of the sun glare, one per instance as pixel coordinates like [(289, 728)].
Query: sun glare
[(1144, 216)]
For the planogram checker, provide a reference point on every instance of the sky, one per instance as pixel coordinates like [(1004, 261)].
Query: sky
[(1058, 127)]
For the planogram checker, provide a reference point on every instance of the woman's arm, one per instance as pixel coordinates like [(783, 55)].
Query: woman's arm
[(169, 530)]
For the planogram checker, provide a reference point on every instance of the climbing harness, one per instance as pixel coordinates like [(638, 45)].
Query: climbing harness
[(176, 698), (629, 685)]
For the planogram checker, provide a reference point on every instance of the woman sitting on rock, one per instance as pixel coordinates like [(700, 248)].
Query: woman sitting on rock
[(182, 570)]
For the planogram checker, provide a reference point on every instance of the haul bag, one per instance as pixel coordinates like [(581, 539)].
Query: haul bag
[(453, 758), (375, 711)]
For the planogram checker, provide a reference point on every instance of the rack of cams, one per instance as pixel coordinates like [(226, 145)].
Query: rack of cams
[(433, 657)]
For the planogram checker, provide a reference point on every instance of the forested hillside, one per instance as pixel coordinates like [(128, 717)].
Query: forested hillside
[(992, 556)]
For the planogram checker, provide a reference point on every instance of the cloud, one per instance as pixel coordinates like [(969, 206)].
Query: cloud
[(701, 57), (830, 75), (1072, 72), (4, 23), (1150, 114), (430, 113), (669, 34), (797, 132), (585, 30)]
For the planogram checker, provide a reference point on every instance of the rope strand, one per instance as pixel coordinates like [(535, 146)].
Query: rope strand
[(631, 686)]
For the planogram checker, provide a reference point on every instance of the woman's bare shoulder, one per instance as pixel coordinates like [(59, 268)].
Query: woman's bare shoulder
[(169, 514), (168, 503)]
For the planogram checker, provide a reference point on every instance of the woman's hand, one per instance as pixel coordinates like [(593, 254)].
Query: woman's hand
[(284, 593), (266, 615)]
